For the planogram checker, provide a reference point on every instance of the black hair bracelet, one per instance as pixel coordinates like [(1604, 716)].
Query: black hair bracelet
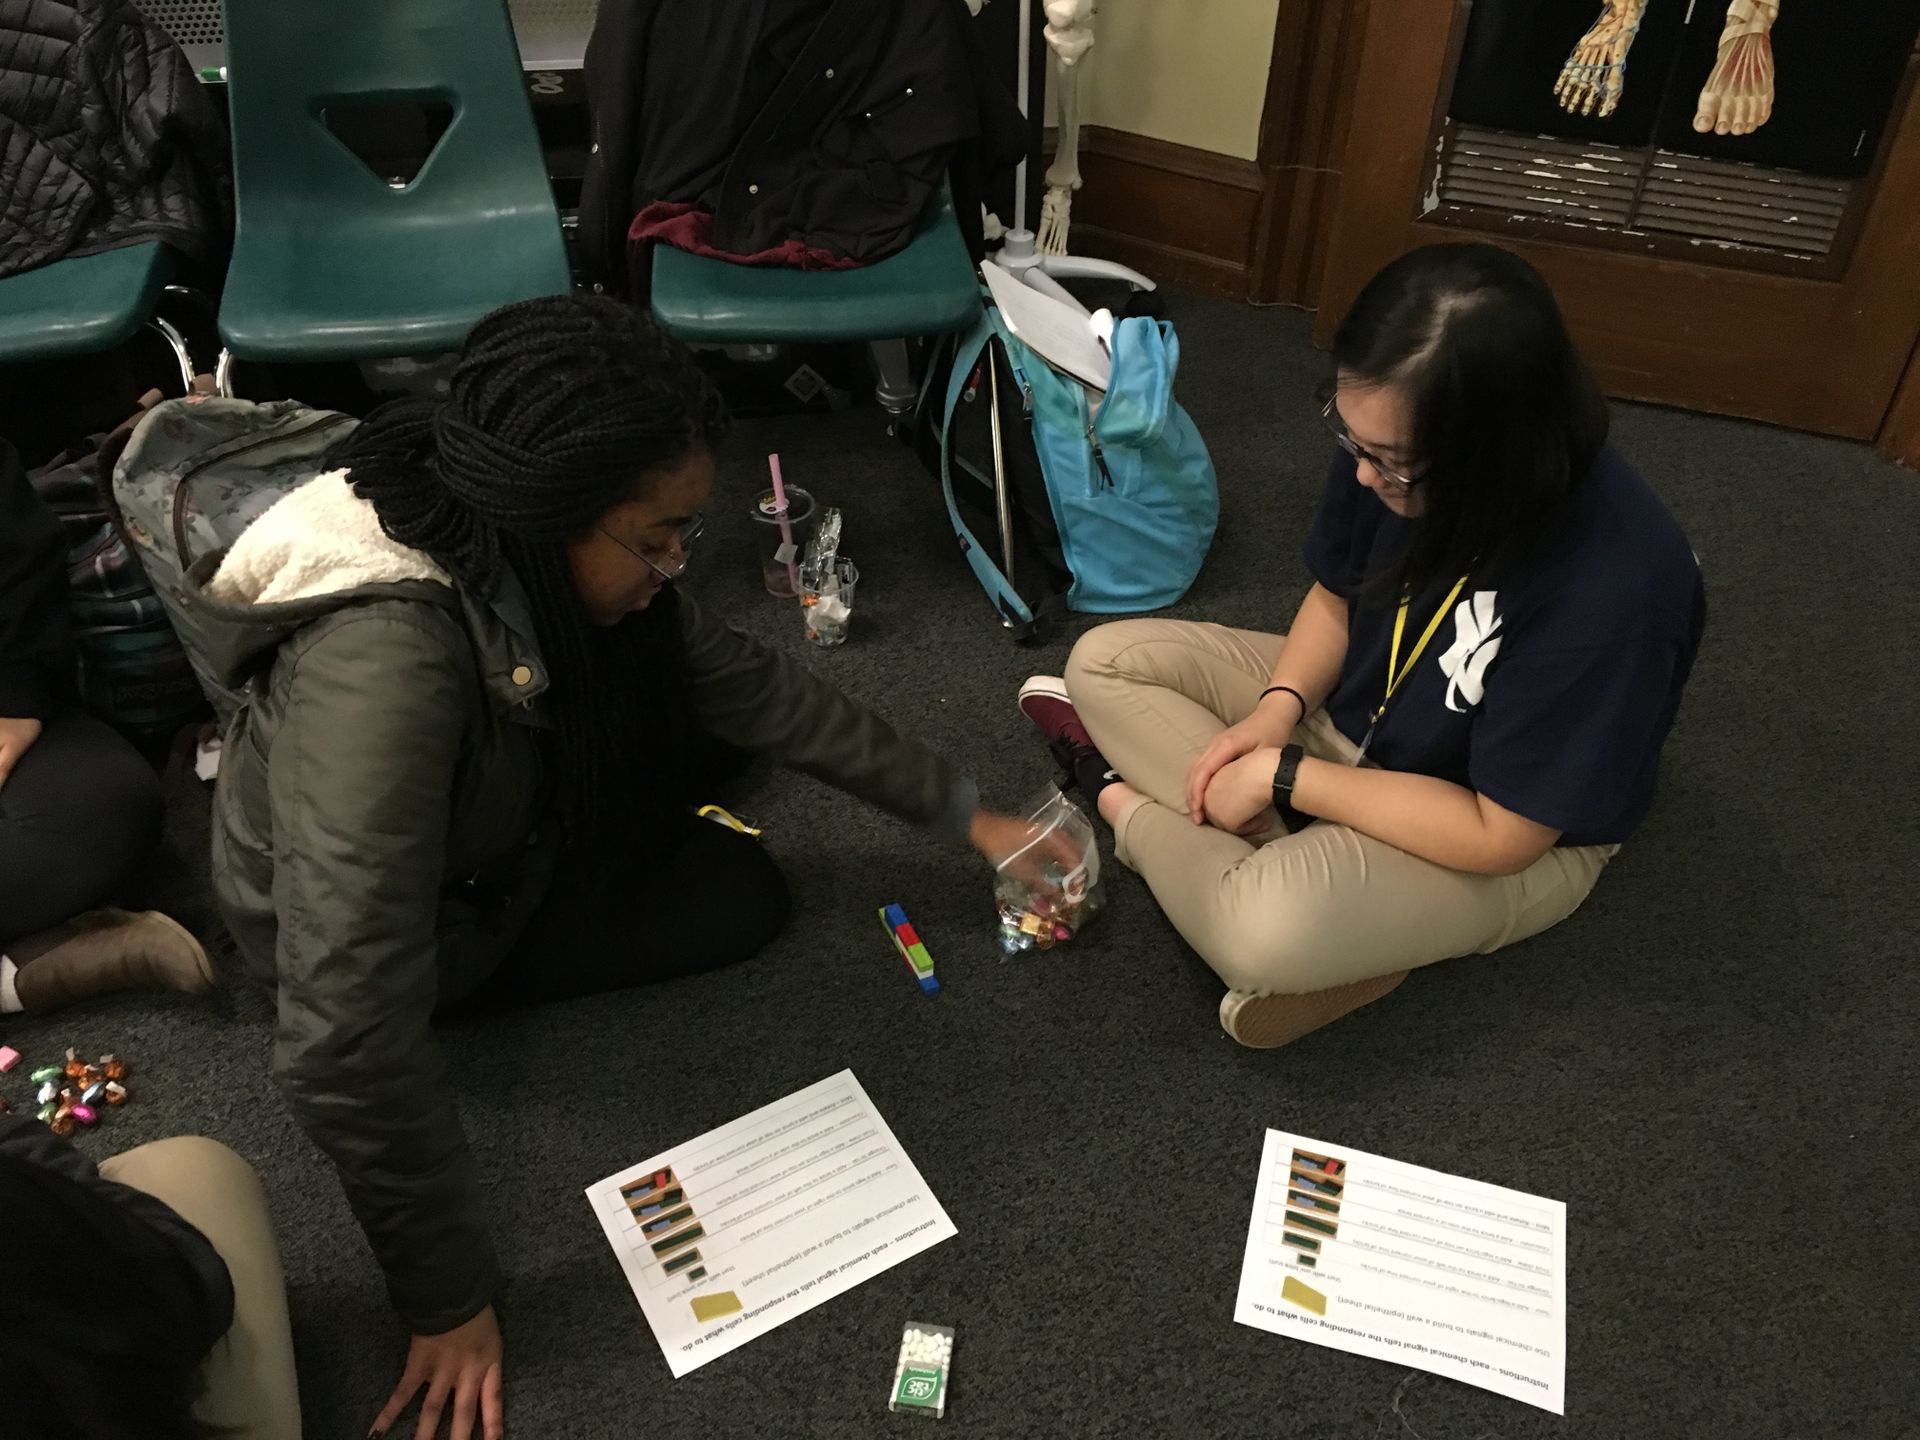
[(1284, 690)]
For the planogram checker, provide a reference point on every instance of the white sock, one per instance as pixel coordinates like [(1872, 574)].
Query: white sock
[(9, 1001)]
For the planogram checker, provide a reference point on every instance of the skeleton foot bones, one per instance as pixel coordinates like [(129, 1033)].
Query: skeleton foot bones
[(1595, 75)]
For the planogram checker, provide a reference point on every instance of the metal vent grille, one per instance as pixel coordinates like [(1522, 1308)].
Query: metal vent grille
[(1588, 184), (1525, 175), (551, 32), (1744, 204), (567, 15), (189, 22)]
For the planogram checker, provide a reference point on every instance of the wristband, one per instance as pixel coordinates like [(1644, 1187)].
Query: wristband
[(1284, 690), (1283, 776)]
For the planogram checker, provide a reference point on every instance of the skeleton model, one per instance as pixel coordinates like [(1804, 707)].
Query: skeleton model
[(1069, 36), (1042, 261), (1737, 97)]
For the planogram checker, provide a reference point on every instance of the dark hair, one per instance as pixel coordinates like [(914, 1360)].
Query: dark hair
[(558, 410), (1506, 418), (107, 1326)]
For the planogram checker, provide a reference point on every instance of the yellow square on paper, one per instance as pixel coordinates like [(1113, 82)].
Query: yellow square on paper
[(1305, 1296), (712, 1307)]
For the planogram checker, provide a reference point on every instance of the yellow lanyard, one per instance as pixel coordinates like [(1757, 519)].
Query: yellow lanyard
[(1396, 672)]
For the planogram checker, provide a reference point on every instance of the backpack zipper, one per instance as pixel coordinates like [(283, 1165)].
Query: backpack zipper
[(180, 486), (1093, 444)]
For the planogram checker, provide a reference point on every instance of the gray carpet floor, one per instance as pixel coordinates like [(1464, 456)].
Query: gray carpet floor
[(1711, 1063)]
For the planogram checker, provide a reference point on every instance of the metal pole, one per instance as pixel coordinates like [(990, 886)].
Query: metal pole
[(1025, 73), (1002, 502)]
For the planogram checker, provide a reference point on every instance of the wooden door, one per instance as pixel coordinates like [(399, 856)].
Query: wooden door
[(1815, 341)]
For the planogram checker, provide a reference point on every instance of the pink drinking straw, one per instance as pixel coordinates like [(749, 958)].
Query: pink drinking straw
[(786, 525)]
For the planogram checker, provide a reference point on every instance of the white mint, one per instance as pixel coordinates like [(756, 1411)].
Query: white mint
[(923, 1348)]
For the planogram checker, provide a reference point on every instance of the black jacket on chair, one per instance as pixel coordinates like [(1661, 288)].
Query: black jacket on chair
[(830, 122), (106, 137)]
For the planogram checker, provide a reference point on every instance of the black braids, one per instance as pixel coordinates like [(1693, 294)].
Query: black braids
[(387, 456), (558, 410)]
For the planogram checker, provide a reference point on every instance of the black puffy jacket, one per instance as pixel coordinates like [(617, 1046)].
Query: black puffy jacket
[(830, 122), (106, 138)]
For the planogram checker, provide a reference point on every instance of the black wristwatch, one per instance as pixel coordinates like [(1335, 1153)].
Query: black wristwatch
[(1283, 776)]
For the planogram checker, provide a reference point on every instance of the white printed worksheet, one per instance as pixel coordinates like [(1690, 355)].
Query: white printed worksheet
[(729, 1235), (1366, 1254)]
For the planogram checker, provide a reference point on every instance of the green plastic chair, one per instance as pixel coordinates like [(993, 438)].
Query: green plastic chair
[(329, 260), (88, 304), (929, 288)]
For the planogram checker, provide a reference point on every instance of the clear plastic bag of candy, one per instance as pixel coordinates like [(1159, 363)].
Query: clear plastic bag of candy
[(1049, 889)]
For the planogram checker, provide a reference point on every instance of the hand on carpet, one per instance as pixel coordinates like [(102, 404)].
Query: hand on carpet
[(462, 1365)]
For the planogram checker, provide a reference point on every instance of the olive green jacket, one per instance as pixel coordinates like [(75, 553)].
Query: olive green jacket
[(378, 842)]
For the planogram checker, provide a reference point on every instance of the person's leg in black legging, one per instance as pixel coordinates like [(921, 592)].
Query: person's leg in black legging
[(79, 812), (714, 899)]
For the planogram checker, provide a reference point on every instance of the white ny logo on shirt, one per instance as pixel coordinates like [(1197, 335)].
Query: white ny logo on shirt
[(1476, 640)]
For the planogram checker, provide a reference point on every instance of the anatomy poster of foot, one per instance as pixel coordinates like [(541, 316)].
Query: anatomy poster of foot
[(1369, 1255), (1737, 97), (1595, 75), (1786, 83), (735, 1232)]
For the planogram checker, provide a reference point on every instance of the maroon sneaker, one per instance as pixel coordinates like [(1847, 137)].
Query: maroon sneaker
[(1043, 700)]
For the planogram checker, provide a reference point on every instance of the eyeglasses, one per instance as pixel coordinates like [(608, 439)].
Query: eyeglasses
[(682, 542), (1337, 428)]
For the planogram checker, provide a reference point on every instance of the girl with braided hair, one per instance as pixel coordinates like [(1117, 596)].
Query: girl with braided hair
[(479, 712)]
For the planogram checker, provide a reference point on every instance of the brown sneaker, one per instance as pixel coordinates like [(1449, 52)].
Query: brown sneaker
[(104, 951), (1264, 1022)]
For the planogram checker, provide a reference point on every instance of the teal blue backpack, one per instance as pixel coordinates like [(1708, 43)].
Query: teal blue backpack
[(1113, 502)]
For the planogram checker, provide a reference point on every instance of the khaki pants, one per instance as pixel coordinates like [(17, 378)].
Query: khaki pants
[(250, 1389), (1281, 913)]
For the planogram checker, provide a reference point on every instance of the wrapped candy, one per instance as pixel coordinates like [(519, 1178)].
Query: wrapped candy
[(73, 1094), (1040, 914)]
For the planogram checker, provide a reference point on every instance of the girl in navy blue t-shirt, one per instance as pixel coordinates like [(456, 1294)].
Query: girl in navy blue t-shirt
[(1464, 720)]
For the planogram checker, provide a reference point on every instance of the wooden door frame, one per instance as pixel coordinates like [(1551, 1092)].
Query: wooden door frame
[(1899, 437), (1671, 331), (1304, 125), (1250, 229)]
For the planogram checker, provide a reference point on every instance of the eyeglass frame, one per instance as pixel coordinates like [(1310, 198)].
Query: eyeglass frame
[(1342, 437), (683, 540)]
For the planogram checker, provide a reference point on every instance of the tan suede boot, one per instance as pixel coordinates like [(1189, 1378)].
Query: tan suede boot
[(1263, 1022), (103, 951)]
